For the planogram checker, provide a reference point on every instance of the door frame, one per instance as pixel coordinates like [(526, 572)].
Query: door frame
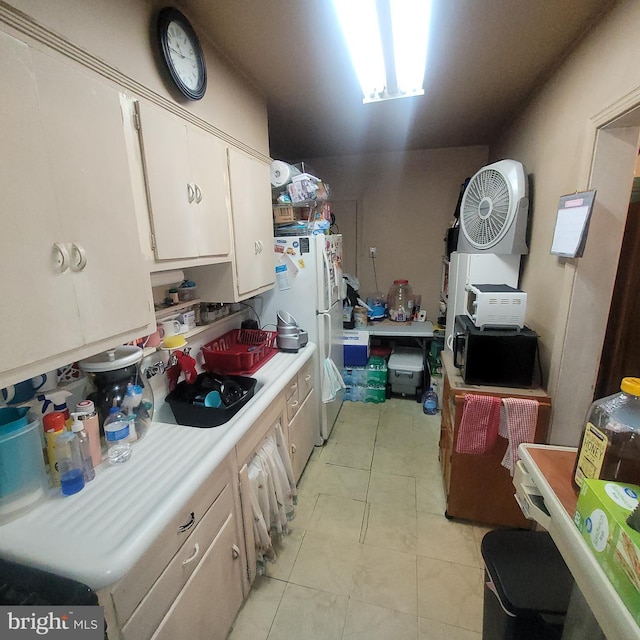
[(608, 165)]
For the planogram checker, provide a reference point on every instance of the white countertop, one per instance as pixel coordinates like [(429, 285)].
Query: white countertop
[(97, 535), (607, 607)]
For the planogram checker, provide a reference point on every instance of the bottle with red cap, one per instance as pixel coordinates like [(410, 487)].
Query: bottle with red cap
[(54, 425)]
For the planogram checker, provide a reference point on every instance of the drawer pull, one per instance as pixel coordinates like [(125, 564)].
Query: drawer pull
[(235, 551), (185, 527), (294, 404), (193, 556), (307, 377)]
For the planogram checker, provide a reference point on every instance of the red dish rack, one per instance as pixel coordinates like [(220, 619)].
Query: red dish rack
[(241, 351)]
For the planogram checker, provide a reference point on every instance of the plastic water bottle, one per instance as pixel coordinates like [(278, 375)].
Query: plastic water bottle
[(116, 434), (430, 402), (85, 447)]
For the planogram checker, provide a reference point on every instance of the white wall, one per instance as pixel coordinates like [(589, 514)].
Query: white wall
[(568, 300)]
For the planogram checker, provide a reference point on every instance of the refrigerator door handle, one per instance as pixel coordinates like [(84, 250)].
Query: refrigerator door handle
[(326, 290), (325, 317)]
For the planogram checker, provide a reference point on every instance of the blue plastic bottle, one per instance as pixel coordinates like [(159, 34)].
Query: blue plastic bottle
[(430, 402)]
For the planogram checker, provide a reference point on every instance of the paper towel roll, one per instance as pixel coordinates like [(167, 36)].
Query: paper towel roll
[(281, 173)]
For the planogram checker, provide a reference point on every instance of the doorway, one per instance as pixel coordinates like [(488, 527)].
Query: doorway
[(609, 169), (621, 351)]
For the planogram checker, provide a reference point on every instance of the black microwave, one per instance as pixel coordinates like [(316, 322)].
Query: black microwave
[(500, 357)]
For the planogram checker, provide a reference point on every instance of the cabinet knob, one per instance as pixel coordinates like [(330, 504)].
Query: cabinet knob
[(191, 193), (235, 551), (198, 194), (193, 556), (78, 257), (61, 259)]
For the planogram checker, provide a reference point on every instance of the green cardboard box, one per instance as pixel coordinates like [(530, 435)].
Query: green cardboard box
[(601, 517)]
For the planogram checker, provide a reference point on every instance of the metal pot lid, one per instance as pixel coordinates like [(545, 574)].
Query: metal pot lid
[(112, 359)]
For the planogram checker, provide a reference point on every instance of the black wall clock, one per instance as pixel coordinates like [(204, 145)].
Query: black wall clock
[(182, 53)]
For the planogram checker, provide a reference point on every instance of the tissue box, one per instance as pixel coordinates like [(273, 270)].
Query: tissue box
[(601, 517), (356, 348)]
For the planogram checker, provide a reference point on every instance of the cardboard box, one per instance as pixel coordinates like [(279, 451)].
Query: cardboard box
[(284, 213), (601, 517), (356, 348)]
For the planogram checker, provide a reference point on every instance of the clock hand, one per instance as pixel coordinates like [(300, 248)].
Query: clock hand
[(176, 51)]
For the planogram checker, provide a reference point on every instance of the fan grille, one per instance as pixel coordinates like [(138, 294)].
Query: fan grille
[(486, 215)]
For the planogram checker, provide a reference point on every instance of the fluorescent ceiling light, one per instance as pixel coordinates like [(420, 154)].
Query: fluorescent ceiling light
[(387, 41)]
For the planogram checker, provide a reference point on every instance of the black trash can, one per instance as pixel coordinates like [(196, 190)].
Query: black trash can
[(527, 586)]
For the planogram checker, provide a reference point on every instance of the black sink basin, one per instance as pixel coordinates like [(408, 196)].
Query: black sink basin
[(186, 400)]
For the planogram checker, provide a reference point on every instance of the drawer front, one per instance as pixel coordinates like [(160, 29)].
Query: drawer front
[(128, 593), (306, 379), (291, 389), (157, 602), (293, 404)]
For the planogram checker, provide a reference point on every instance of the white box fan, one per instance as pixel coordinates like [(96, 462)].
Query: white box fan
[(494, 210)]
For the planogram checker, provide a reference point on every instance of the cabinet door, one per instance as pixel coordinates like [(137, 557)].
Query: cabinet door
[(166, 164), (38, 302), (207, 606), (303, 433), (209, 175), (252, 222), (85, 139)]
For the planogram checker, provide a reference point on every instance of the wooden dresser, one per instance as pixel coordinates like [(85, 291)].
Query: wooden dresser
[(477, 487)]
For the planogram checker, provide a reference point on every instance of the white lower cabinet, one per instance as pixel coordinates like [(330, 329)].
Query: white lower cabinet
[(190, 582), (303, 415), (303, 434)]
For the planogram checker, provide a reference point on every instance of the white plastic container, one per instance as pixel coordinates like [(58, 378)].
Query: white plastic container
[(406, 371)]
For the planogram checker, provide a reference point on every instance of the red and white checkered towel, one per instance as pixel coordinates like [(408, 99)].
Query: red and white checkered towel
[(517, 424), (479, 424)]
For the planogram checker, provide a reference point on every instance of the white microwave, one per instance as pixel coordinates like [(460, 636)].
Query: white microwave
[(495, 305)]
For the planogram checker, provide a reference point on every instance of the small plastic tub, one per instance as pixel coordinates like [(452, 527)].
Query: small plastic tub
[(23, 479)]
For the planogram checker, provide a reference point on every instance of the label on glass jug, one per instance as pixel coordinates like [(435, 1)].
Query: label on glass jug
[(591, 454)]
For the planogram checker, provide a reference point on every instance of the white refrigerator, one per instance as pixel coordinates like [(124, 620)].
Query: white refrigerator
[(476, 268), (309, 285)]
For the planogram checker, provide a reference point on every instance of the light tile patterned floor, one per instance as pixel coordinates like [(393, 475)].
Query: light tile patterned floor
[(371, 555)]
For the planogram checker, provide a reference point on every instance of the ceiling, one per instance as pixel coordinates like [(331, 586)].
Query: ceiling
[(485, 59)]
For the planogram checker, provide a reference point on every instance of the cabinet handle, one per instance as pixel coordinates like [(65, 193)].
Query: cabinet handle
[(79, 257), (191, 194), (187, 525), (307, 378), (294, 386), (256, 247), (293, 448), (294, 404), (60, 257), (235, 551), (193, 556), (198, 194)]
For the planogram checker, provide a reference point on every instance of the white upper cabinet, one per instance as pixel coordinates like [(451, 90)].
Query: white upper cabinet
[(252, 223), (72, 272), (187, 187)]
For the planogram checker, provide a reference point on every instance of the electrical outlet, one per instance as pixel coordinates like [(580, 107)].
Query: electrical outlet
[(372, 252)]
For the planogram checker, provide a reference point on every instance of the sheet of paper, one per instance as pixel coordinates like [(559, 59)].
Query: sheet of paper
[(570, 225)]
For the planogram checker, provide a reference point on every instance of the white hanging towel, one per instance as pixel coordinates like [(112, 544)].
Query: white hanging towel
[(332, 381)]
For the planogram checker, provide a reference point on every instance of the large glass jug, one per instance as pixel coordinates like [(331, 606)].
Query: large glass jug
[(116, 381), (400, 301)]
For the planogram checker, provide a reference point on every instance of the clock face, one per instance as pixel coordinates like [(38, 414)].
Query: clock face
[(182, 53)]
